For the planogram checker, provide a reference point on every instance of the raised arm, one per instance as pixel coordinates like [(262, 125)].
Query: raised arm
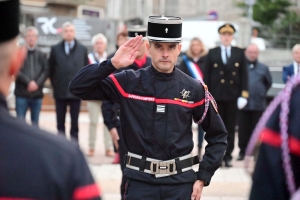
[(92, 82)]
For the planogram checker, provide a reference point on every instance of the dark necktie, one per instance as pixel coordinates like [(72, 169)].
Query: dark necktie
[(70, 47), (298, 68), (227, 56)]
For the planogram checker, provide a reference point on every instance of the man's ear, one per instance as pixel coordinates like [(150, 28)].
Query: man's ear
[(179, 48), (148, 47), (17, 60)]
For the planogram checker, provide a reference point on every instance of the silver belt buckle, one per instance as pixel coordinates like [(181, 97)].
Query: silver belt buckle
[(163, 167)]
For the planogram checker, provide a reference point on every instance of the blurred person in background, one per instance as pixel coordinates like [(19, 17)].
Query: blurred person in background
[(111, 110), (66, 59), (98, 55), (31, 78), (260, 81), (260, 42), (226, 76), (193, 65), (294, 68), (34, 164)]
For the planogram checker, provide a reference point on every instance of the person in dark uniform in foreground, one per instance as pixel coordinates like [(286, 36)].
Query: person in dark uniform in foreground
[(277, 172), (158, 104), (34, 164), (226, 76), (192, 64), (111, 110)]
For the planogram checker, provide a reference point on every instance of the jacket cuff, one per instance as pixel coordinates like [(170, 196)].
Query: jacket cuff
[(110, 126), (109, 63), (204, 176)]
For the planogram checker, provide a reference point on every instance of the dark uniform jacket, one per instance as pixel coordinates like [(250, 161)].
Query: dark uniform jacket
[(110, 109), (183, 67), (269, 181), (63, 67), (35, 164), (154, 124), (35, 68), (226, 82), (260, 81)]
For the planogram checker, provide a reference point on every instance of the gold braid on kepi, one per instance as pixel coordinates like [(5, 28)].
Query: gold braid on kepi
[(226, 28)]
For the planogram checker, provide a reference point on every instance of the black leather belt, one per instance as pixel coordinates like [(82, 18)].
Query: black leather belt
[(161, 167)]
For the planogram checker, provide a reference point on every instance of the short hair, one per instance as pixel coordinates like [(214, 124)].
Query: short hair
[(296, 47), (97, 37), (189, 51), (252, 44), (6, 51), (66, 24), (31, 28)]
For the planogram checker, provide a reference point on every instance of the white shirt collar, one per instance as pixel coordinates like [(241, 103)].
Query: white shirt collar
[(72, 43), (296, 67), (101, 58), (223, 47)]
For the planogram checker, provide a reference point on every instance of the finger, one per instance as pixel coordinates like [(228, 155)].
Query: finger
[(136, 45), (129, 42), (117, 137), (133, 57)]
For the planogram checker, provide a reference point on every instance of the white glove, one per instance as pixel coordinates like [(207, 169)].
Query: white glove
[(241, 102)]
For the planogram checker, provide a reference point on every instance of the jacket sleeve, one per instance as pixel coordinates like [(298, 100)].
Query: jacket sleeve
[(244, 77), (41, 78), (92, 83), (268, 79), (23, 78), (285, 74), (108, 113), (84, 186), (51, 65), (216, 137)]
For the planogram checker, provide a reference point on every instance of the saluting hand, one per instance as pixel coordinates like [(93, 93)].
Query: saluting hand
[(127, 53)]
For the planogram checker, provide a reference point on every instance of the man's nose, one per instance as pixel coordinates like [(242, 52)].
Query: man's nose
[(165, 53)]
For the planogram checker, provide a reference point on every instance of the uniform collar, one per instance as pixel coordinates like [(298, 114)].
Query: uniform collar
[(163, 76)]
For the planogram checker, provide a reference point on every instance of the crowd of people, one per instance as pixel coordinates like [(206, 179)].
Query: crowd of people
[(231, 97)]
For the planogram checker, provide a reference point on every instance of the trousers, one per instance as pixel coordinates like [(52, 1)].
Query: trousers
[(136, 190), (94, 109)]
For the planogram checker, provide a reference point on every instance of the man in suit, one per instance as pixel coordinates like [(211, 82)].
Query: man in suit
[(294, 68), (66, 58), (226, 76), (31, 78), (34, 164), (260, 81)]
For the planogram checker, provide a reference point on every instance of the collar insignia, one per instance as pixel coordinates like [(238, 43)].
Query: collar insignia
[(185, 94)]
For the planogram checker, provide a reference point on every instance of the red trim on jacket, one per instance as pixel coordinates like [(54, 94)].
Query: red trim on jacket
[(86, 192), (153, 99), (271, 137)]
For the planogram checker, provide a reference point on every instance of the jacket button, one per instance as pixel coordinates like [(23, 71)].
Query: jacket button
[(222, 81), (231, 82), (233, 73), (221, 72), (237, 64), (215, 65)]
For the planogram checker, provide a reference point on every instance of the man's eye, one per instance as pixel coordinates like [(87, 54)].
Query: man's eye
[(157, 46), (172, 47)]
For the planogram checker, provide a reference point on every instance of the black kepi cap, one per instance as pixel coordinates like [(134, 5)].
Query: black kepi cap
[(164, 28), (137, 30), (9, 19), (229, 28)]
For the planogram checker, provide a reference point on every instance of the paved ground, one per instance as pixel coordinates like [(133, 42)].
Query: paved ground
[(226, 184)]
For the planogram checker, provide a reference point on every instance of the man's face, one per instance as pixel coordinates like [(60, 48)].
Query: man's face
[(68, 33), (31, 38), (100, 46), (252, 53), (226, 38), (121, 40), (296, 55), (164, 55)]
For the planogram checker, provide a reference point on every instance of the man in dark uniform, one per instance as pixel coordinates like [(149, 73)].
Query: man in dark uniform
[(158, 104), (226, 76), (34, 164), (277, 171), (111, 110)]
